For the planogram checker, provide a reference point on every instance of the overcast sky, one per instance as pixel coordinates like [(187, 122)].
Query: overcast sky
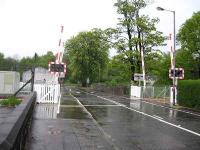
[(29, 26)]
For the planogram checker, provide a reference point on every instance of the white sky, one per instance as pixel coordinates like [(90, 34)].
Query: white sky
[(29, 26)]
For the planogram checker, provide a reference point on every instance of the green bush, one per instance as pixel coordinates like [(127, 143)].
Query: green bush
[(11, 101), (189, 93)]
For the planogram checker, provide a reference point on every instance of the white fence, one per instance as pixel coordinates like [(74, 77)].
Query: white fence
[(48, 93), (151, 93)]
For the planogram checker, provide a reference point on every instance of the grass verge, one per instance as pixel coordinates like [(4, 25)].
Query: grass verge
[(11, 101)]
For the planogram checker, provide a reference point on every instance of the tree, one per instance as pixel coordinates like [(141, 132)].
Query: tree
[(87, 55), (189, 37), (2, 61), (135, 33), (184, 59), (152, 61), (8, 64), (43, 61), (161, 70), (11, 64), (27, 63), (118, 71)]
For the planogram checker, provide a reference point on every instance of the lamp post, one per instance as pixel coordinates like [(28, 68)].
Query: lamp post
[(174, 54)]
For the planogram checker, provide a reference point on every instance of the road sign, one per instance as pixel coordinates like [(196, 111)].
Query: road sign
[(138, 77), (57, 68), (179, 73)]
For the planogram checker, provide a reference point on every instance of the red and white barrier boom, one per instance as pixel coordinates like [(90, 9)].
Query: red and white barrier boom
[(58, 68)]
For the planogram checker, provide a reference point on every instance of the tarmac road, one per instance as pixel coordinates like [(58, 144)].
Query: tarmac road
[(134, 124), (95, 120)]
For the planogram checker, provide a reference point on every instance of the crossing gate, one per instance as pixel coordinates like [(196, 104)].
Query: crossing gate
[(47, 93)]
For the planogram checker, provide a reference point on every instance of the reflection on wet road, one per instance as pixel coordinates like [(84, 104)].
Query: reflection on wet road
[(71, 129), (132, 124), (186, 120)]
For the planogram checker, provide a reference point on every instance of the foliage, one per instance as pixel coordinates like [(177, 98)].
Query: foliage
[(189, 55), (188, 93), (161, 70), (87, 55), (11, 101), (188, 36), (135, 33), (118, 71), (27, 63), (189, 33), (8, 64), (43, 61), (185, 60)]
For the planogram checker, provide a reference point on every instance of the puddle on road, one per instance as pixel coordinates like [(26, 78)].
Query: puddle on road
[(49, 111), (72, 113), (69, 102), (94, 101), (66, 96), (112, 115), (45, 111), (98, 112)]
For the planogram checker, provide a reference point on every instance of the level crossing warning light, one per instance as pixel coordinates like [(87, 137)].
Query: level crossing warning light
[(179, 73), (57, 68)]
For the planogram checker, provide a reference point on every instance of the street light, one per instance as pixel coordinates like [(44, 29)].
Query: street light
[(174, 53)]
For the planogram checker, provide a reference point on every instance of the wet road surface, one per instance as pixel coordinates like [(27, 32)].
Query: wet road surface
[(133, 124), (71, 129), (99, 121), (187, 120)]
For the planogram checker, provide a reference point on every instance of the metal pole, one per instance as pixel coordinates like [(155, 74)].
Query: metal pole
[(32, 78), (174, 63), (174, 55), (33, 73)]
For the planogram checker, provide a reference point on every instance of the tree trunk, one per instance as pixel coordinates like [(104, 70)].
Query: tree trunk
[(131, 49), (138, 62), (199, 68), (83, 83), (132, 69)]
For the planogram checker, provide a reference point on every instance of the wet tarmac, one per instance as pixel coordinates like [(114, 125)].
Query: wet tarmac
[(141, 125), (187, 120), (71, 129), (100, 121)]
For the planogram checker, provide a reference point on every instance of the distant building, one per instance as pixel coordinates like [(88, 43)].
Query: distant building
[(42, 75), (9, 82)]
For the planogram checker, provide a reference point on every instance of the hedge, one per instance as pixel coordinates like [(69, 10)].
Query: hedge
[(189, 93)]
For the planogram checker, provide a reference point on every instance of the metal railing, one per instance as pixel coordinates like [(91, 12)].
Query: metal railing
[(156, 94)]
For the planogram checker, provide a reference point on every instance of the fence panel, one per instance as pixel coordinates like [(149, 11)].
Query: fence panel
[(156, 94), (47, 93)]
